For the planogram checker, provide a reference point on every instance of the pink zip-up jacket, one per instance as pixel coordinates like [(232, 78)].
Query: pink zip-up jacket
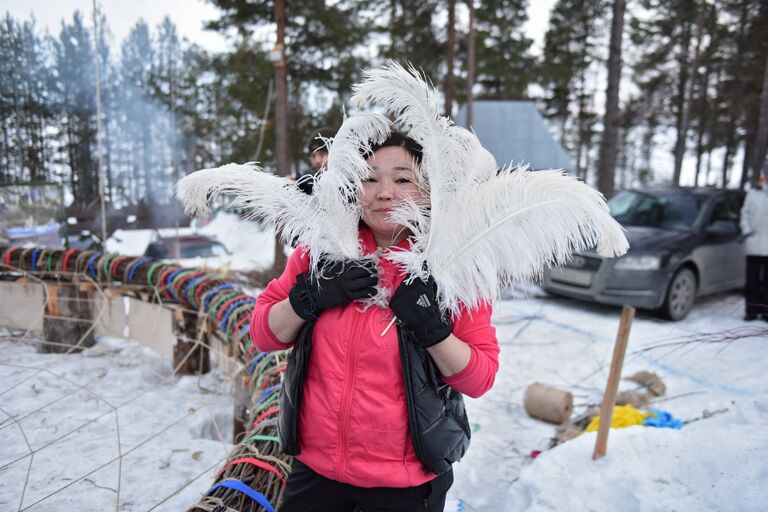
[(353, 420)]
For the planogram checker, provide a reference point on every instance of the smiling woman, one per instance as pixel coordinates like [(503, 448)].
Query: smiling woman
[(393, 180), (374, 416)]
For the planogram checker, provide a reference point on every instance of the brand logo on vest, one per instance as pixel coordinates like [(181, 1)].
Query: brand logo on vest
[(423, 301)]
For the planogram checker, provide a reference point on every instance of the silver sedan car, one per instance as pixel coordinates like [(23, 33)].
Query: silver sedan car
[(683, 243)]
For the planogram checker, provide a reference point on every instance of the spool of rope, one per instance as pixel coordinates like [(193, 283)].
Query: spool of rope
[(548, 403)]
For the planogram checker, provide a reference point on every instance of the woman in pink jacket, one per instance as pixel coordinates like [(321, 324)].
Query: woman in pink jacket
[(374, 416)]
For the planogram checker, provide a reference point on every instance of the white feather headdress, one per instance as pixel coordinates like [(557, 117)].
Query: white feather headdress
[(483, 229)]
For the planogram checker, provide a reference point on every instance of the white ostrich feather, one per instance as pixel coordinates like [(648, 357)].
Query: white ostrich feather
[(505, 230), (278, 201), (332, 230), (274, 199)]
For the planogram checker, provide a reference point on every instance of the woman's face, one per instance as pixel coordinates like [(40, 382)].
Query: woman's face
[(393, 179)]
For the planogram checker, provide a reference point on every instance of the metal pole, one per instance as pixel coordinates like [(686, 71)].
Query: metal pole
[(99, 129), (174, 160)]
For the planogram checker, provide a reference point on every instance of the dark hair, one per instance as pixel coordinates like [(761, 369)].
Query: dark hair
[(398, 140), (317, 142)]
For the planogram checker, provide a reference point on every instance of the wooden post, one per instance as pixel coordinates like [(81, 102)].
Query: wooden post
[(189, 357), (68, 319), (606, 411), (242, 402)]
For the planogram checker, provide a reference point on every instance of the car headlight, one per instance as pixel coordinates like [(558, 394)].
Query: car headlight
[(638, 263)]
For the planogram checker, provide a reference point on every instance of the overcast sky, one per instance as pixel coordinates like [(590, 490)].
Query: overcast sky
[(188, 15)]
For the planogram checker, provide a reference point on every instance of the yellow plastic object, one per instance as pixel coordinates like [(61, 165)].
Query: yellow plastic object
[(623, 416)]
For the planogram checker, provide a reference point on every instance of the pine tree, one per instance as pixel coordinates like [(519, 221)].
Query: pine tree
[(754, 68), (606, 169), (666, 33), (139, 113), (76, 107), (412, 34), (505, 68), (323, 58), (24, 110), (571, 46)]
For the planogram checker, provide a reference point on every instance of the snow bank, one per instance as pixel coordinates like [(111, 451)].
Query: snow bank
[(713, 465)]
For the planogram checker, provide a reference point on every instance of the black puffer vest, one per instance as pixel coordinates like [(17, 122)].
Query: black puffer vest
[(437, 419)]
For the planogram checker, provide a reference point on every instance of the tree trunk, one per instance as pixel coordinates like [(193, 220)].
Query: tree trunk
[(281, 119), (581, 130), (761, 139), (470, 62), (749, 142), (703, 123), (687, 80), (730, 143), (72, 164), (734, 106), (646, 172), (607, 161), (449, 57)]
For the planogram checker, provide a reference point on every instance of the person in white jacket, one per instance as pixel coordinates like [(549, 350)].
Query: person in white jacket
[(754, 225)]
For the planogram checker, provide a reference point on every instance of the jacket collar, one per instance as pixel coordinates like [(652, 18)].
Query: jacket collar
[(368, 242)]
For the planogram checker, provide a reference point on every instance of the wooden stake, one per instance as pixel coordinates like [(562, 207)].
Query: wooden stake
[(242, 402), (606, 411)]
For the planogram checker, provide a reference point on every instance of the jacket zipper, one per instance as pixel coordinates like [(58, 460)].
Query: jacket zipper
[(415, 439), (346, 402)]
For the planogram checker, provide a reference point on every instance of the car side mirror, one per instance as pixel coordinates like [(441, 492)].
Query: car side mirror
[(721, 229)]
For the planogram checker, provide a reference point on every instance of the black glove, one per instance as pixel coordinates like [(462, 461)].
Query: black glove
[(415, 305), (341, 282)]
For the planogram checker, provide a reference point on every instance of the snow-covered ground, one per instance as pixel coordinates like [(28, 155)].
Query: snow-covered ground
[(716, 463), (77, 431)]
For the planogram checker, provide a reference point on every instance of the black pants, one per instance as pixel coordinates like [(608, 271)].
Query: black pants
[(306, 491), (756, 287)]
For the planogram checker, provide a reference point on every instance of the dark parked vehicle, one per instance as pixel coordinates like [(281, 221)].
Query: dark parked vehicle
[(83, 241), (186, 247), (683, 243)]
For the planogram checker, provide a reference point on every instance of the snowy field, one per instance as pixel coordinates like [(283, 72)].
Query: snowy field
[(111, 429)]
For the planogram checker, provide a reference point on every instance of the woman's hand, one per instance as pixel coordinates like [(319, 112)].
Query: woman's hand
[(341, 282), (415, 305)]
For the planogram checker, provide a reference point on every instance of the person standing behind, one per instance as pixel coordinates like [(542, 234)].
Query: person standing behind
[(754, 225), (318, 155)]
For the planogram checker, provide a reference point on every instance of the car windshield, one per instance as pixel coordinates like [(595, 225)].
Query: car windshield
[(203, 250), (660, 209)]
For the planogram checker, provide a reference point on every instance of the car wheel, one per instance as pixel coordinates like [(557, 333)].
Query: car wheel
[(681, 295)]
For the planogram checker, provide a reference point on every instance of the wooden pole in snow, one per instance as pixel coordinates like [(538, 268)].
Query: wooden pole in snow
[(609, 398)]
